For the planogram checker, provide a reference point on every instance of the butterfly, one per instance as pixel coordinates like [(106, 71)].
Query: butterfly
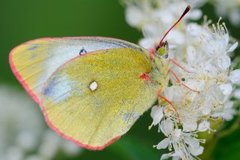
[(91, 90)]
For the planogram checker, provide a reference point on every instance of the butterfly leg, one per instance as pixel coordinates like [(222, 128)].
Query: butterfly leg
[(180, 81), (173, 108), (173, 61)]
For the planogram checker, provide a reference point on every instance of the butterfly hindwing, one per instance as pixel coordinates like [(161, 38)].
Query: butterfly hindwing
[(96, 98)]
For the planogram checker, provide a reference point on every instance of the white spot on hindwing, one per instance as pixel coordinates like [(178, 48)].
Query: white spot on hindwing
[(93, 86)]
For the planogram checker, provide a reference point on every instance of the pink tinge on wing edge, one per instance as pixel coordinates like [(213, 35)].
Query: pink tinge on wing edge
[(36, 99)]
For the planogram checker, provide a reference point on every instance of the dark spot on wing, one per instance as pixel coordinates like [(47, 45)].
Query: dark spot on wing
[(82, 51), (48, 90), (34, 55), (33, 47)]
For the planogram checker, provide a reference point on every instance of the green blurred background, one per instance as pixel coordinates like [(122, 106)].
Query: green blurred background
[(23, 20)]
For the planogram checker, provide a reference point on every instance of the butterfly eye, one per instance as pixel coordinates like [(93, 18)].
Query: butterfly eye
[(163, 51)]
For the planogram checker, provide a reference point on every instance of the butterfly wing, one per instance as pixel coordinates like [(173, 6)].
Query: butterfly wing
[(96, 98), (34, 61)]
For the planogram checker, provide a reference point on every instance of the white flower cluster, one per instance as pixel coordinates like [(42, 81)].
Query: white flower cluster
[(154, 17), (201, 75), (23, 135), (231, 9)]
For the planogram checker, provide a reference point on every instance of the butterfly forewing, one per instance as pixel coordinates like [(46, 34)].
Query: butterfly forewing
[(34, 61)]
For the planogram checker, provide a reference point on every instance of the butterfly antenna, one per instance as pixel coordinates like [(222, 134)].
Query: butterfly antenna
[(162, 43)]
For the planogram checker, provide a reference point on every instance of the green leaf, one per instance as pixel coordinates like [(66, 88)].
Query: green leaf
[(228, 147), (128, 148)]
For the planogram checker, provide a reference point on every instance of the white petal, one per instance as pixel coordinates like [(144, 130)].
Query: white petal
[(176, 158), (163, 144), (229, 111), (189, 125), (229, 114), (49, 145), (204, 126), (237, 94), (224, 62), (148, 42), (34, 157), (195, 14), (235, 76), (27, 140), (206, 110), (196, 151), (195, 84), (168, 93), (167, 127), (194, 30), (193, 145), (191, 54), (156, 114), (179, 152), (228, 104), (191, 141), (177, 134), (226, 89), (166, 156), (235, 15), (174, 93), (176, 37), (134, 16), (14, 153), (196, 3), (70, 148), (166, 16), (209, 68), (233, 47), (150, 30)]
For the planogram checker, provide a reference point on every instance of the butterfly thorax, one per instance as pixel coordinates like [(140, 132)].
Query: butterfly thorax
[(160, 72)]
